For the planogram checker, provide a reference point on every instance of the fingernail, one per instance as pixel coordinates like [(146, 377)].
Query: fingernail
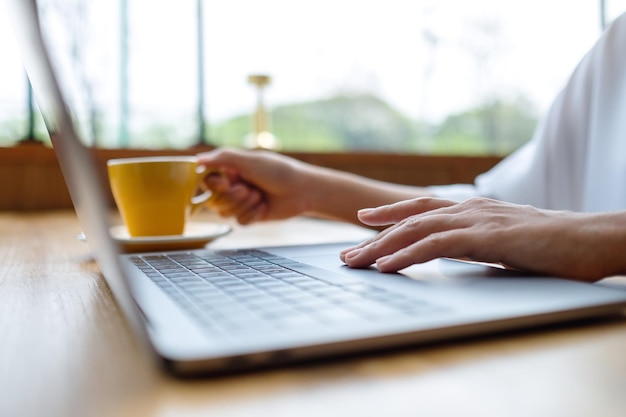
[(365, 211), (382, 262), (352, 253)]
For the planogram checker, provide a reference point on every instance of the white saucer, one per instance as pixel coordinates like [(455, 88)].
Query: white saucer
[(196, 235)]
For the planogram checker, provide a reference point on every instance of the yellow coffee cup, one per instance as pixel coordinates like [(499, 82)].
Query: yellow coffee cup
[(156, 195)]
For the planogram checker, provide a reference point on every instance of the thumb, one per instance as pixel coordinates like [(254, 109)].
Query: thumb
[(218, 182)]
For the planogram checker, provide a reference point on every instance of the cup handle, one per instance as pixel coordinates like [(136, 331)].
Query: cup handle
[(198, 201)]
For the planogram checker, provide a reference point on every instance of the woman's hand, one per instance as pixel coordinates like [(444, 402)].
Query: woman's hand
[(254, 185), (566, 244)]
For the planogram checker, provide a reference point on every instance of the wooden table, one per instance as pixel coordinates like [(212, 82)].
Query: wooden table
[(66, 351)]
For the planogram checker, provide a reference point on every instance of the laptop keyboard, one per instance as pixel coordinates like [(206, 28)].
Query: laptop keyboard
[(246, 292)]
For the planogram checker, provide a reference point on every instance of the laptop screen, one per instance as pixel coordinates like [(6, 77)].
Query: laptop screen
[(76, 161)]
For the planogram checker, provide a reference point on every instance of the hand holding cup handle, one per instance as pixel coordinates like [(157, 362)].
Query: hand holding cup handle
[(199, 201)]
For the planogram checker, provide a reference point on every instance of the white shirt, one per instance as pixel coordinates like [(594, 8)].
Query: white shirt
[(576, 159)]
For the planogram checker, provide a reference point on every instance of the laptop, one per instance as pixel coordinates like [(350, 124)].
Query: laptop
[(203, 312)]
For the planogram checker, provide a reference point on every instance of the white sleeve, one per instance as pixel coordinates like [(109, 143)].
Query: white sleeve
[(454, 192), (544, 172), (519, 178), (554, 169)]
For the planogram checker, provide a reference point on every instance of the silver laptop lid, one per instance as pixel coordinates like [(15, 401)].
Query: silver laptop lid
[(76, 160), (484, 304)]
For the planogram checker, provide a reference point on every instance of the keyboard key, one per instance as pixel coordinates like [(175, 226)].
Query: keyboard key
[(250, 293)]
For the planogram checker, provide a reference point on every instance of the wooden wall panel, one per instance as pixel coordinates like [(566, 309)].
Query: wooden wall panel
[(30, 177)]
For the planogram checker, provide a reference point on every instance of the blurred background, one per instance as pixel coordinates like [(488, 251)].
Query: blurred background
[(445, 77)]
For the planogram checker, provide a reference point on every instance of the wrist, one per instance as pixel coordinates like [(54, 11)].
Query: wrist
[(317, 189)]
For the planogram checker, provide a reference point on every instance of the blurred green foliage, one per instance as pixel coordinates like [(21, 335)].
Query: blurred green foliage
[(347, 123), (367, 123)]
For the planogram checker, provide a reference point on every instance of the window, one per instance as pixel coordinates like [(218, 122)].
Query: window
[(17, 121), (435, 76)]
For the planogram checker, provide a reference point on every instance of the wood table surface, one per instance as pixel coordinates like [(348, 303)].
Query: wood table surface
[(65, 350)]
